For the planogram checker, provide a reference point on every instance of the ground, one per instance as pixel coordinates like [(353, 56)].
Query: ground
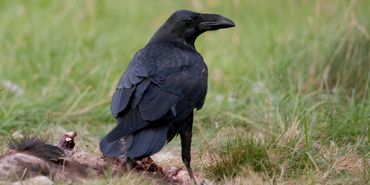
[(289, 86)]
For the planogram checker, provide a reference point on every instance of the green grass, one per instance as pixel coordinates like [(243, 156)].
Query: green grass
[(230, 158), (291, 82)]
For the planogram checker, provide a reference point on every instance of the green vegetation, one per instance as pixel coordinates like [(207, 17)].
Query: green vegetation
[(289, 87)]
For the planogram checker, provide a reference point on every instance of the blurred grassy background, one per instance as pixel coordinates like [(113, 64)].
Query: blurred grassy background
[(289, 69)]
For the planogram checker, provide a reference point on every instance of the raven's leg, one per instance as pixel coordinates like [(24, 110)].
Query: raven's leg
[(186, 134)]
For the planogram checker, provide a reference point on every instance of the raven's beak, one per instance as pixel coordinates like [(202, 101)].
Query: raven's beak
[(214, 22)]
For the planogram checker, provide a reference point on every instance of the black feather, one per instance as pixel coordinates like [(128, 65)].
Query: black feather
[(155, 103), (147, 142), (120, 100)]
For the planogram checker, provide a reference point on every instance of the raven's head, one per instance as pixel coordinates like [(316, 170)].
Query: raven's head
[(185, 26)]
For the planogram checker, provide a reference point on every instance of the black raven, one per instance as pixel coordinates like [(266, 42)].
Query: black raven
[(157, 94)]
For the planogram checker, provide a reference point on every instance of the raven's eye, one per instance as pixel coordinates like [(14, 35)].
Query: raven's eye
[(189, 20)]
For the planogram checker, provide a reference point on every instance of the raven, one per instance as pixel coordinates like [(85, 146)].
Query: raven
[(157, 94)]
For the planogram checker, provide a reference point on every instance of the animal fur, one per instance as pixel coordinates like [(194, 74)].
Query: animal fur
[(32, 156)]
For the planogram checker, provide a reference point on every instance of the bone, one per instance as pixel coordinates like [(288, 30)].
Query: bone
[(67, 141)]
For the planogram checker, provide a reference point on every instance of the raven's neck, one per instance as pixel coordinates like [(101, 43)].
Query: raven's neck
[(164, 34)]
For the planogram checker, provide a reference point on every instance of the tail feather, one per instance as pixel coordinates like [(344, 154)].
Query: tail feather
[(138, 145), (114, 148), (147, 142)]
